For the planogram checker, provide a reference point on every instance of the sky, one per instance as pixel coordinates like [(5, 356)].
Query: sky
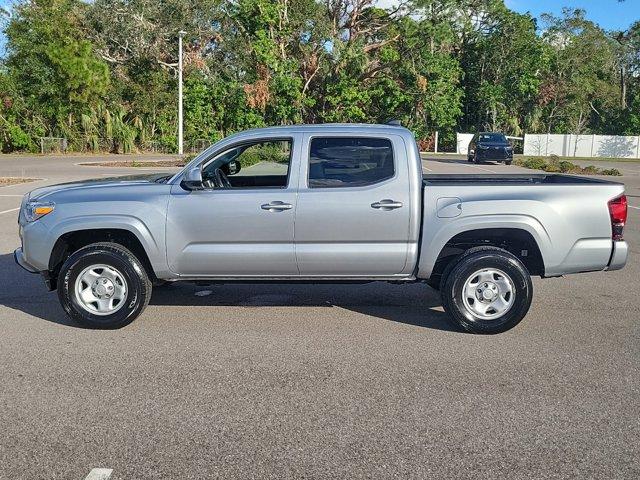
[(609, 14)]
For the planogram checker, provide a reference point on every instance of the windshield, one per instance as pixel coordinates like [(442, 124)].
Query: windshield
[(492, 138)]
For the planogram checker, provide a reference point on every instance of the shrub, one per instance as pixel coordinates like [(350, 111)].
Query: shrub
[(566, 167), (555, 165), (16, 139), (535, 163), (250, 158), (273, 152)]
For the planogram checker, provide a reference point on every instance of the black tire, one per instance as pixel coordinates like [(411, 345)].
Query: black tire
[(138, 291), (464, 267), (476, 159), (469, 158), (508, 162)]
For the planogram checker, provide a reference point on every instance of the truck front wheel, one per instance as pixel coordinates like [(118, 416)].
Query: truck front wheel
[(487, 290), (103, 285)]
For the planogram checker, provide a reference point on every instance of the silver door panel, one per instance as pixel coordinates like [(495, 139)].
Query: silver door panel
[(234, 232), (351, 259), (349, 230)]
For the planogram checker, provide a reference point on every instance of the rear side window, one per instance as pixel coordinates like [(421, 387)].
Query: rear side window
[(349, 162)]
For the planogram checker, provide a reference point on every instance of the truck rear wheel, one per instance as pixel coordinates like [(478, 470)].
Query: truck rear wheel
[(103, 285), (487, 290)]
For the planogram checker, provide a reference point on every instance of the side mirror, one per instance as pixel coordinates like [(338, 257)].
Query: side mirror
[(192, 179), (233, 167)]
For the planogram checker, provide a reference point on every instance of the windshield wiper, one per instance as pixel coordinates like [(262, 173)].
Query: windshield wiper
[(163, 179)]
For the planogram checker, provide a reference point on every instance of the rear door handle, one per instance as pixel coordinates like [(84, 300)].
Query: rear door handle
[(276, 206), (386, 204)]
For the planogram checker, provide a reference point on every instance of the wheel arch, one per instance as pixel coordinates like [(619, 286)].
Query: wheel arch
[(72, 240), (516, 240)]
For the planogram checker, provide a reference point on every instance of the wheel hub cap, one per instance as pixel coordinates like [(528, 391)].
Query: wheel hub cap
[(101, 289), (488, 294)]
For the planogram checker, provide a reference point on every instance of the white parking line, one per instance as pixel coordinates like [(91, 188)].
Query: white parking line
[(485, 169), (10, 210), (13, 195), (99, 474), (631, 206)]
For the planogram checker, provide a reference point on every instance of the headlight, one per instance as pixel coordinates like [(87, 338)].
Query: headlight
[(483, 147), (34, 210)]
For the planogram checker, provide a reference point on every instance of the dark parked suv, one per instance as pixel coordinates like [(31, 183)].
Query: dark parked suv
[(490, 146)]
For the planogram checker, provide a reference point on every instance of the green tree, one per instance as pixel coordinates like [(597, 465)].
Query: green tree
[(103, 73), (12, 108), (505, 64), (54, 69), (582, 83)]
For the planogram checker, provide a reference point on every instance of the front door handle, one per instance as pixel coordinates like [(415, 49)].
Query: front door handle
[(386, 205), (276, 206)]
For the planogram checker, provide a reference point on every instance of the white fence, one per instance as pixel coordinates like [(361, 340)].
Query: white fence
[(462, 142), (543, 145), (610, 146)]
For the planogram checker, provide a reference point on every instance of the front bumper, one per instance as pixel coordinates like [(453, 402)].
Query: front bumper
[(618, 256), (18, 256), (50, 282), (495, 154)]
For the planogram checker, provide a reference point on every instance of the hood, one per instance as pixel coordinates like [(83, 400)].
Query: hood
[(143, 179)]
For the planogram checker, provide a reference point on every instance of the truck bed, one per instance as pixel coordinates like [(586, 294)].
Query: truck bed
[(511, 179), (567, 216)]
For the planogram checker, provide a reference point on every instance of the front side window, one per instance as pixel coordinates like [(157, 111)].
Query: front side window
[(349, 162), (262, 164)]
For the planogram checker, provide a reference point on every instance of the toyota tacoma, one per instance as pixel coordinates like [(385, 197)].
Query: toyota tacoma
[(319, 203)]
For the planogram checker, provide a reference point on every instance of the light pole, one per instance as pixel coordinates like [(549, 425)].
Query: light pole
[(181, 34)]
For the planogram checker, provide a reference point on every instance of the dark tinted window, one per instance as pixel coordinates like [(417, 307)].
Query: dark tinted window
[(493, 138), (349, 162)]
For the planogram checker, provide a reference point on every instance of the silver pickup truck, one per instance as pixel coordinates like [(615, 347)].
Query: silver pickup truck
[(319, 203)]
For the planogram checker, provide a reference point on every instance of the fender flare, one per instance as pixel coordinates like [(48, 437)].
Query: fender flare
[(432, 246), (134, 225)]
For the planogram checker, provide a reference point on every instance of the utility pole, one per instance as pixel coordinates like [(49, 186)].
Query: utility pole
[(181, 34)]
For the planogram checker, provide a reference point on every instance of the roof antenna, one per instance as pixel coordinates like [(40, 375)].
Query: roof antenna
[(395, 123)]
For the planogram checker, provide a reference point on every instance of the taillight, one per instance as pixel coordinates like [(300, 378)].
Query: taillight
[(618, 214)]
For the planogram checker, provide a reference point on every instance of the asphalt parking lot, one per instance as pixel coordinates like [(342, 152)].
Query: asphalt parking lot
[(330, 381)]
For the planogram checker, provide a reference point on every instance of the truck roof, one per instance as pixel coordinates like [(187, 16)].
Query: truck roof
[(325, 128)]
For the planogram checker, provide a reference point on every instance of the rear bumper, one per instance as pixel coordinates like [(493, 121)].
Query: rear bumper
[(618, 256), (20, 260)]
